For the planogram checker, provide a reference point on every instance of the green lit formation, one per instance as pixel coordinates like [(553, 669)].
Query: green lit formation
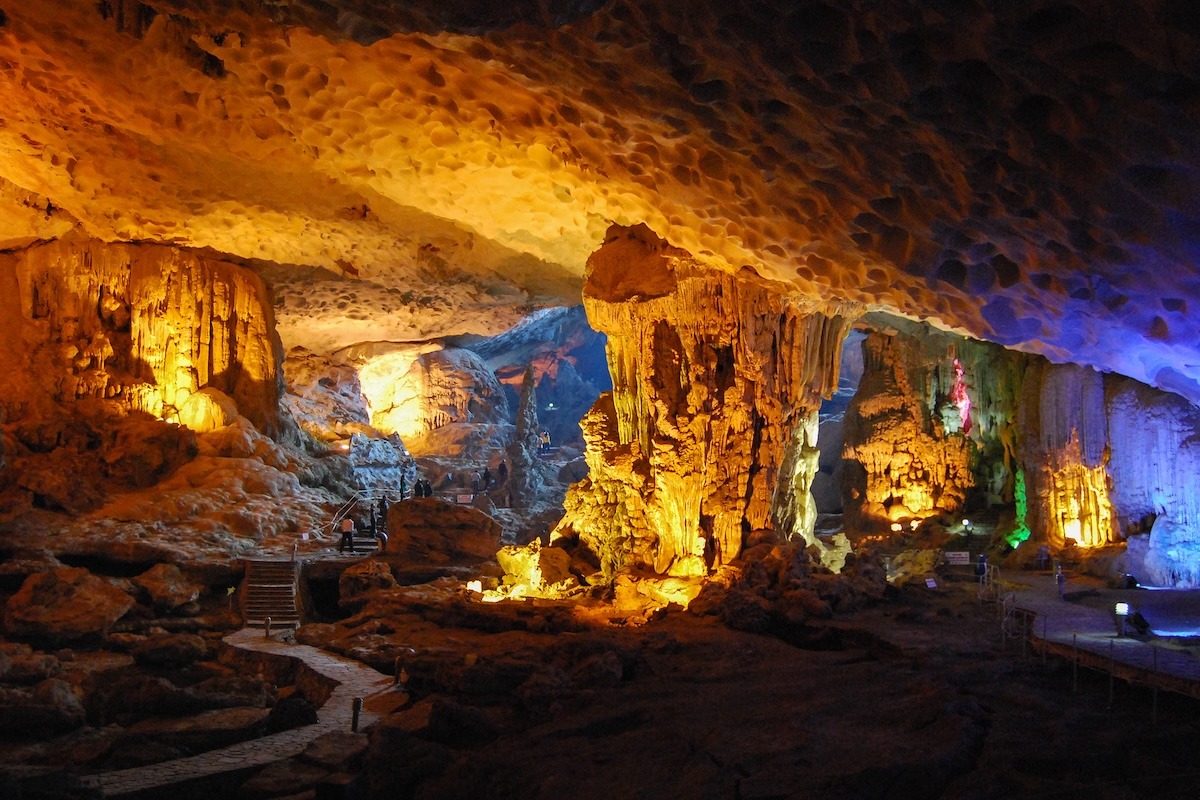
[(1020, 531)]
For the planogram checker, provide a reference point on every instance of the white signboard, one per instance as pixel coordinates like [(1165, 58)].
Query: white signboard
[(957, 557)]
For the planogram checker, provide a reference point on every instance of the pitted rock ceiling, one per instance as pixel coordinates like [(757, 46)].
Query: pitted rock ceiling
[(1025, 172)]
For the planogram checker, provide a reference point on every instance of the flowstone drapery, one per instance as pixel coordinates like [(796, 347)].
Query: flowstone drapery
[(143, 326), (710, 430)]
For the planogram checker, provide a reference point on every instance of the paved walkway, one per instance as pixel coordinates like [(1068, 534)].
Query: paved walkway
[(1083, 628), (354, 679)]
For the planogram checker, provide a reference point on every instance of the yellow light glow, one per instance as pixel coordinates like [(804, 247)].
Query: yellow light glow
[(394, 387), (1080, 511)]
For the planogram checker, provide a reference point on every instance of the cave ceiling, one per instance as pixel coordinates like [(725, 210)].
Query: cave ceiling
[(1026, 172)]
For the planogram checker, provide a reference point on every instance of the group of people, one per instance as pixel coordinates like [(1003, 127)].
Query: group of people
[(422, 488)]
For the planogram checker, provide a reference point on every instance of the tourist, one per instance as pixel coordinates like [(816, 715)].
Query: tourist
[(1061, 579), (475, 481), (347, 535), (383, 511), (403, 487), (502, 471), (487, 479), (382, 537)]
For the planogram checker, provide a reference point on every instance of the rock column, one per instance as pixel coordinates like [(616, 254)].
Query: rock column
[(709, 432)]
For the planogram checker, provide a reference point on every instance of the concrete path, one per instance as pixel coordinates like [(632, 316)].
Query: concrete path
[(1084, 628), (354, 679)]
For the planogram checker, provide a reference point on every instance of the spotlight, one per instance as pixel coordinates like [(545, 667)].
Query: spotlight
[(1122, 611), (897, 527), (966, 523), (914, 524)]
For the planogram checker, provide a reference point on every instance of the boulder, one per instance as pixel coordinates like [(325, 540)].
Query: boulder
[(291, 712), (167, 588), (283, 778), (430, 531), (64, 604), (28, 668), (50, 708), (207, 410), (207, 730), (363, 577), (170, 650), (533, 569), (338, 751)]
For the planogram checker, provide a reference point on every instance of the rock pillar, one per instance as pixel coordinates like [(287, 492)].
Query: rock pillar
[(710, 430)]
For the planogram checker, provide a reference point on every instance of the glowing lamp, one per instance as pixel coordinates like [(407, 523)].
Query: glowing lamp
[(897, 527), (1122, 609), (914, 524), (966, 523), (475, 586)]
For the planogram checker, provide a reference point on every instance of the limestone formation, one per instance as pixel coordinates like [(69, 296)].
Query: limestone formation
[(931, 428), (166, 587), (710, 430), (146, 325), (64, 604), (412, 391), (523, 451)]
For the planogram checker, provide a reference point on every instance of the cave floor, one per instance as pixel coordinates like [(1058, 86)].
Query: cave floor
[(919, 696)]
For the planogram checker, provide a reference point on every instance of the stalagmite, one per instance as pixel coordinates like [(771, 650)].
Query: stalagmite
[(710, 430)]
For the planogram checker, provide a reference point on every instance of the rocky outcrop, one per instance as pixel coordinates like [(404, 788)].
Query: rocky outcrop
[(166, 587), (64, 604), (710, 429), (146, 326), (427, 531), (413, 390)]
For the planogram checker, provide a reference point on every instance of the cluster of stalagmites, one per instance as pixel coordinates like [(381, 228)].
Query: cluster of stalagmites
[(708, 438), (1103, 459)]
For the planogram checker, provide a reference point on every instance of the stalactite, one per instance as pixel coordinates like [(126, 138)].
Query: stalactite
[(716, 383), (144, 326)]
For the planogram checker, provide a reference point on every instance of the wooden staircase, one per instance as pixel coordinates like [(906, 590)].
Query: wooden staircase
[(271, 592)]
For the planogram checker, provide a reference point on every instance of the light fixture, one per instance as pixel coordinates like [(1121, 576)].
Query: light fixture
[(1122, 611), (897, 527), (914, 524), (966, 523)]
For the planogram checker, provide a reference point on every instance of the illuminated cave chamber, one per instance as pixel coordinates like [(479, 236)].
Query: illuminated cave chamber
[(1090, 460)]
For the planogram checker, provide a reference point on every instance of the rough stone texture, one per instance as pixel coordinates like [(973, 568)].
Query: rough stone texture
[(64, 604), (146, 325), (711, 426), (170, 650), (533, 569), (932, 426), (49, 708), (414, 390), (430, 531), (1023, 171), (363, 577), (166, 586)]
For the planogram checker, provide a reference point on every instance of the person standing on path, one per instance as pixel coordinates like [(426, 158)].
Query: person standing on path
[(347, 535), (1061, 579)]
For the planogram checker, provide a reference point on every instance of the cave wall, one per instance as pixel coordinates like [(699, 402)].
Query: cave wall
[(1105, 459), (710, 429), (141, 326), (931, 425)]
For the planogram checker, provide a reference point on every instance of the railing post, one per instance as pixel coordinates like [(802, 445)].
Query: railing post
[(267, 629)]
